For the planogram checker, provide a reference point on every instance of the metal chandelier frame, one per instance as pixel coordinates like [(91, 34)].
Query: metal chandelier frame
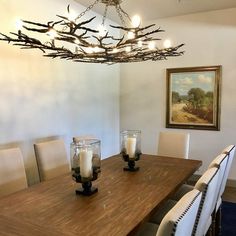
[(74, 39)]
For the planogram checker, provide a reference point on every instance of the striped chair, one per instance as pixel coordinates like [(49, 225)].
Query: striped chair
[(229, 151), (179, 221), (12, 171), (208, 185)]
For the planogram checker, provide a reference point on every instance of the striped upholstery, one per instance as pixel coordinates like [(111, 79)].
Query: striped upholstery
[(179, 220), (230, 150), (12, 171), (51, 159), (173, 144), (207, 184)]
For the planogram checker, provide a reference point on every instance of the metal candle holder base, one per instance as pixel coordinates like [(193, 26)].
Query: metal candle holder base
[(87, 189), (131, 166), (131, 162)]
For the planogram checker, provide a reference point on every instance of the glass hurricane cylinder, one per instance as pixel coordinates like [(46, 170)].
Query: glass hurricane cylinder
[(86, 163), (131, 148)]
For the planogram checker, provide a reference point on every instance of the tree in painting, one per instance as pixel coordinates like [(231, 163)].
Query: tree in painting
[(192, 97)]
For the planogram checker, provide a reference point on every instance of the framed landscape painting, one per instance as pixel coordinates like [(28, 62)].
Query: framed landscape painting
[(193, 98)]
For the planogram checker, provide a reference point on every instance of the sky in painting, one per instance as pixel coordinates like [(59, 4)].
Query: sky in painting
[(183, 82)]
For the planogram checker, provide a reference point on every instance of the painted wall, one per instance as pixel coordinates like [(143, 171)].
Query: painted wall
[(210, 40), (43, 97)]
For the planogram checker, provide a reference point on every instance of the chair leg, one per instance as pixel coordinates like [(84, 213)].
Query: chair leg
[(209, 232), (218, 222)]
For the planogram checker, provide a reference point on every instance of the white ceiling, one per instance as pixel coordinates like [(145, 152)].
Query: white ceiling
[(153, 9)]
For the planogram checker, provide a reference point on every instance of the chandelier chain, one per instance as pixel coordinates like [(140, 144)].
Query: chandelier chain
[(87, 9), (120, 15), (125, 13), (105, 14)]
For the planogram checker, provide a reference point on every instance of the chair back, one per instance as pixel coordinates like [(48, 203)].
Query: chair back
[(12, 171), (180, 219), (51, 159), (173, 144), (229, 151), (207, 184), (77, 139), (219, 162)]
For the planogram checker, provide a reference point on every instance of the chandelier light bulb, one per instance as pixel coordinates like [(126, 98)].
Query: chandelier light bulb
[(131, 35), (102, 30), (19, 24), (115, 50), (128, 49), (167, 43), (152, 45), (89, 50), (52, 33), (140, 43), (77, 41), (96, 49), (72, 16), (136, 21)]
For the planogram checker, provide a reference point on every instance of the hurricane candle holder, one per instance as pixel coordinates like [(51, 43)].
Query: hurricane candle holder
[(86, 164), (131, 148)]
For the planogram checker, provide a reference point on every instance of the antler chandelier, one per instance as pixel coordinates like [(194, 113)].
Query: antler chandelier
[(72, 38)]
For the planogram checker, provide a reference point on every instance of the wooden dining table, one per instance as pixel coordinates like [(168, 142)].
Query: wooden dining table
[(124, 201)]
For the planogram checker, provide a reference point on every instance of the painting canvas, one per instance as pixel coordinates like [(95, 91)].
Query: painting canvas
[(193, 97)]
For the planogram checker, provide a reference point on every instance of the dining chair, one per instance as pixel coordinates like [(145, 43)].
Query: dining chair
[(83, 137), (229, 152), (179, 220), (12, 171), (173, 144), (51, 158), (208, 185)]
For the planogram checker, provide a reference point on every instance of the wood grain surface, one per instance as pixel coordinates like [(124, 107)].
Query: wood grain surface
[(123, 202)]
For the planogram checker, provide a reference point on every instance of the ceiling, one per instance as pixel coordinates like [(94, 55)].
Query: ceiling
[(153, 9)]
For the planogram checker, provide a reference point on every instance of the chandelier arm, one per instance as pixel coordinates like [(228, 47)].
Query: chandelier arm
[(136, 29), (36, 23)]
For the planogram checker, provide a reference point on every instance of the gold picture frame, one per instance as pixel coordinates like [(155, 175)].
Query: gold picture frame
[(193, 97)]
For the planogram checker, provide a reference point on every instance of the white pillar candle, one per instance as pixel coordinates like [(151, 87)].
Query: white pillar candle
[(131, 147), (86, 163)]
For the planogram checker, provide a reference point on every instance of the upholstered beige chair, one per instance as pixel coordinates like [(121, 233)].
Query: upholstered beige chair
[(83, 137), (208, 184), (51, 159), (12, 171), (229, 152), (173, 144), (179, 221)]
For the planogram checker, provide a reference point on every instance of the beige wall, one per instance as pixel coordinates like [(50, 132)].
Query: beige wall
[(42, 97), (210, 39)]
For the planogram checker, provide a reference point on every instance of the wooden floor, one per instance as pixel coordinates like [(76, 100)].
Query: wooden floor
[(229, 194)]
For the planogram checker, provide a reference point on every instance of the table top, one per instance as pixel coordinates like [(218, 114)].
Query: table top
[(124, 200)]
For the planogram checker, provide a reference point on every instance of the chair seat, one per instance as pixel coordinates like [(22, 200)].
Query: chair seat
[(185, 188), (148, 229), (161, 212)]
